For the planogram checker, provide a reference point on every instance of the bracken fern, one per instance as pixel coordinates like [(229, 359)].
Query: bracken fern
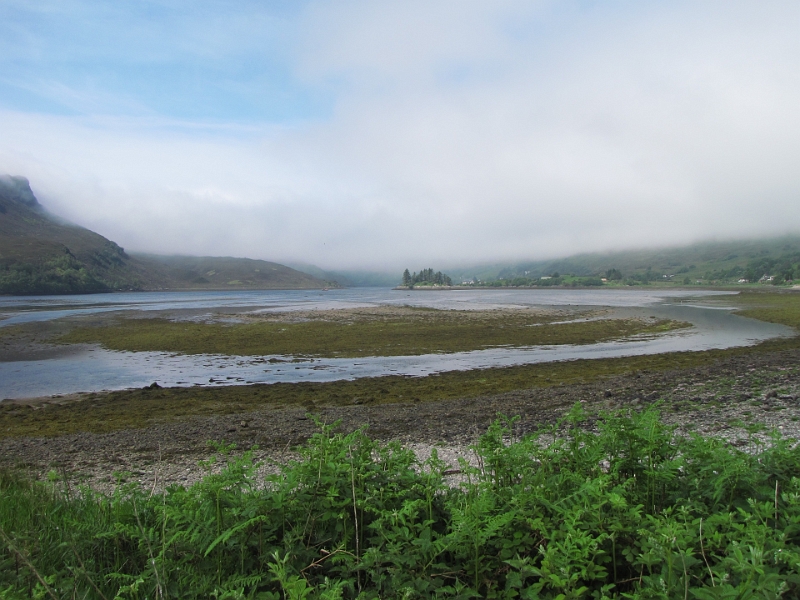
[(596, 506)]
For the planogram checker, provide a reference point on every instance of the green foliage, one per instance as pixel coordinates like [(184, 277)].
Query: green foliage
[(426, 277), (548, 281), (628, 510), (61, 275), (719, 263), (520, 281), (783, 267), (406, 278)]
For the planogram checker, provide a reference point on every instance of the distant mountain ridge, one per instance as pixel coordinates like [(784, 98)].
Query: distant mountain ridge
[(705, 263), (709, 263), (350, 278), (225, 272), (42, 254)]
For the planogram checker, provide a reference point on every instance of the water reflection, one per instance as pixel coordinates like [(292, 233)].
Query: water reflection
[(97, 369), (26, 309)]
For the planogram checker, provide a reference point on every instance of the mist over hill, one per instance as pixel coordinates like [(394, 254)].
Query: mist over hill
[(225, 272), (350, 277), (40, 254), (776, 260), (769, 260), (43, 254)]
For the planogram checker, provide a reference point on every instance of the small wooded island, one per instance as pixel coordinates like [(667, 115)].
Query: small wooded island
[(427, 278)]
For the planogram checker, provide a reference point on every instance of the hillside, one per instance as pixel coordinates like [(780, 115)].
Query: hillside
[(707, 263), (42, 254), (349, 278), (224, 273)]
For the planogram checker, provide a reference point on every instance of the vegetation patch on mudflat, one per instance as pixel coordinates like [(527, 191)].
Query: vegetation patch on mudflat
[(482, 392), (773, 306), (389, 331), (610, 505)]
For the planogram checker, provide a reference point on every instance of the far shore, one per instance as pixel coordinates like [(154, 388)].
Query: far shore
[(723, 288)]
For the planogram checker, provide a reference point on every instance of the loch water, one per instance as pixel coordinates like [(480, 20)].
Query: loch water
[(94, 369)]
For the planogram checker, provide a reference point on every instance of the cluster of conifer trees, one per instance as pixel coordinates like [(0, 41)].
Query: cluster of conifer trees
[(426, 276)]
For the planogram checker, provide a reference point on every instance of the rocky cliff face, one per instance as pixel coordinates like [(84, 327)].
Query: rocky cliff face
[(17, 189)]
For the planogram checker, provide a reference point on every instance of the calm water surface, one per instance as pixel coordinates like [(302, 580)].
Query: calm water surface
[(96, 369)]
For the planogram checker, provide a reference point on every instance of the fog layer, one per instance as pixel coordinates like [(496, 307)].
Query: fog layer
[(384, 135)]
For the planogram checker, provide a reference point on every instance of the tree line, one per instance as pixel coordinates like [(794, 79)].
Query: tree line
[(426, 277)]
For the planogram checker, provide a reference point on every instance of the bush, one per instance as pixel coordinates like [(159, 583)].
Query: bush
[(628, 511)]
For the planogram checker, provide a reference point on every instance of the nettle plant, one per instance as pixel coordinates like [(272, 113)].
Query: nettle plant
[(596, 506)]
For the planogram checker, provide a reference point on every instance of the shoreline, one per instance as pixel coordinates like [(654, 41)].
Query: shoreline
[(680, 287), (749, 388), (159, 434)]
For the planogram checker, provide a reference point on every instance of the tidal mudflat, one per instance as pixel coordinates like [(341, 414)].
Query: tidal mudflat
[(98, 432), (307, 337)]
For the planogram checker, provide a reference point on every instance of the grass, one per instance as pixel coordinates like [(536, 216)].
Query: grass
[(618, 507), (773, 306), (413, 333)]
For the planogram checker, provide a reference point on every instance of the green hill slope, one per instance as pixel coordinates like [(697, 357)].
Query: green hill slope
[(223, 273), (708, 263), (42, 254)]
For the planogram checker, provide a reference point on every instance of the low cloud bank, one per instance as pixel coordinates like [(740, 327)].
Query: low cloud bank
[(458, 135)]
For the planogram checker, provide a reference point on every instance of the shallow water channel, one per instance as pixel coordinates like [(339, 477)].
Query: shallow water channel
[(95, 369)]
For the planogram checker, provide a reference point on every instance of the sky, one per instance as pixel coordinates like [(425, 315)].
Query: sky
[(384, 135)]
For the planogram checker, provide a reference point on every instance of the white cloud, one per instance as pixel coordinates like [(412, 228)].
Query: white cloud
[(461, 132)]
